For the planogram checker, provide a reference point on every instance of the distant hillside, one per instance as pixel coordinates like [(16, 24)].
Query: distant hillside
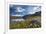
[(37, 14), (15, 17), (26, 16), (30, 15)]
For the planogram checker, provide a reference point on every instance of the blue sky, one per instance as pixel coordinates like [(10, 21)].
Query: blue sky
[(21, 10)]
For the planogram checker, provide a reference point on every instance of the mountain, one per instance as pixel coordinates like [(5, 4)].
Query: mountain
[(26, 16), (15, 17), (37, 14), (30, 15)]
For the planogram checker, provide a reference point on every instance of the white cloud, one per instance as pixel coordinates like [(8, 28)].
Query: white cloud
[(31, 12), (19, 9), (35, 9)]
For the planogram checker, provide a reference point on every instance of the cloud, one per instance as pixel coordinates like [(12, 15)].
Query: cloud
[(19, 9), (25, 10), (36, 9), (33, 10)]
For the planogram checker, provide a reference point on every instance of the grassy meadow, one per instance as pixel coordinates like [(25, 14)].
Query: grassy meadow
[(30, 22)]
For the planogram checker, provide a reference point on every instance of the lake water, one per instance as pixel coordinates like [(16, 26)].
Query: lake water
[(17, 19)]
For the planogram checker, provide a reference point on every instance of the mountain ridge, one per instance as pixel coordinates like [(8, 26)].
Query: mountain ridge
[(29, 15)]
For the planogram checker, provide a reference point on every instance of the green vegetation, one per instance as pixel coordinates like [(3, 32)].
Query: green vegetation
[(31, 22)]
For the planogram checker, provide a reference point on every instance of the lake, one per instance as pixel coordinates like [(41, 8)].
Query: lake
[(18, 20)]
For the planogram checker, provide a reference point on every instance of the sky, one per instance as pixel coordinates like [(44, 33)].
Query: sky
[(21, 10)]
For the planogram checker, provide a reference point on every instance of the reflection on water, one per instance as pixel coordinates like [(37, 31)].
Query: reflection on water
[(17, 20)]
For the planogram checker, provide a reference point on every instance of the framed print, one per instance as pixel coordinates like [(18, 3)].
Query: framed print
[(23, 16)]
